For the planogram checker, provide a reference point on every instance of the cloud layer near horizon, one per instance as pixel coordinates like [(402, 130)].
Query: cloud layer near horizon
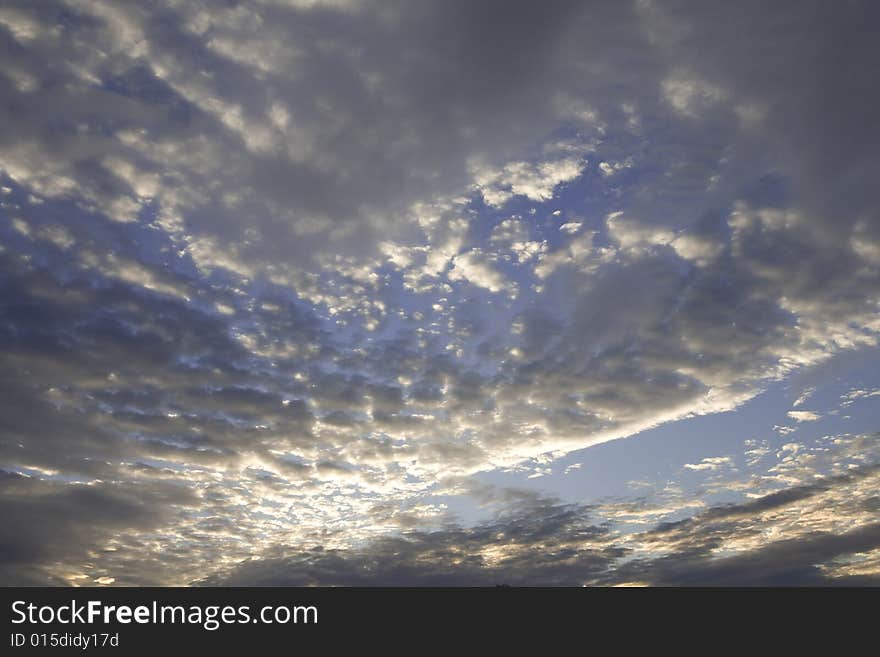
[(265, 270)]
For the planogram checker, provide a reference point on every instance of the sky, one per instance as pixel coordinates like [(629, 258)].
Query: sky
[(331, 292)]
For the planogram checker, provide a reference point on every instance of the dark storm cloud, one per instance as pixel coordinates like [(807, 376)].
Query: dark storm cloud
[(392, 100), (537, 547), (537, 541), (782, 563), (49, 524), (440, 91)]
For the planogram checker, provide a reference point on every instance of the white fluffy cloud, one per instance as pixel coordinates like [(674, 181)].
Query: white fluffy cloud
[(536, 182), (804, 416), (478, 270)]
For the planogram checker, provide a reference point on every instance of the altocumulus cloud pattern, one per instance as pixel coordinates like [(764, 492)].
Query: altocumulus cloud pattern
[(341, 292)]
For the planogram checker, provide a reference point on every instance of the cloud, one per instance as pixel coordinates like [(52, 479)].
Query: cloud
[(303, 258), (711, 463), (804, 396), (536, 182), (75, 521), (821, 533), (804, 416), (856, 394), (474, 268), (690, 96)]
